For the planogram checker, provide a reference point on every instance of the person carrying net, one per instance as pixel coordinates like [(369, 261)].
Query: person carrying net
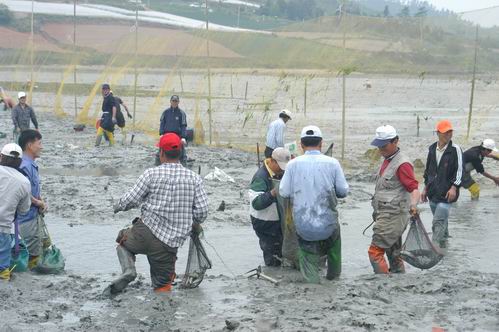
[(396, 196)]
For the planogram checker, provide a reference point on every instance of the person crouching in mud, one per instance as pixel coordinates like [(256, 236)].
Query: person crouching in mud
[(173, 201), (396, 196), (264, 212)]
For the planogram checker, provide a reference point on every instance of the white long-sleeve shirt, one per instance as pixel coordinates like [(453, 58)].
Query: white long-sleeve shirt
[(275, 134)]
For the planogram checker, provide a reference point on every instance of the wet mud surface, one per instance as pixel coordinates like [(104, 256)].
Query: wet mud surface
[(80, 183)]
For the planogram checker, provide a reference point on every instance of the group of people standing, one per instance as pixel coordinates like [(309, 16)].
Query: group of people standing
[(313, 182)]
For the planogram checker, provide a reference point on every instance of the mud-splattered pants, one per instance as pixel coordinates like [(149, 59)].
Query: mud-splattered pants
[(310, 252), (270, 237)]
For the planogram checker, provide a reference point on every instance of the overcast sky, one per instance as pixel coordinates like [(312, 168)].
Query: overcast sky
[(464, 5)]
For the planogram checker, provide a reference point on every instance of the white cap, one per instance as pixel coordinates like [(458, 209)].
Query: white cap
[(286, 112), (282, 157), (489, 144), (311, 131), (21, 95), (383, 136), (12, 150)]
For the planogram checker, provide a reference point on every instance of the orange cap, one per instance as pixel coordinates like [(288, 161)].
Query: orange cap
[(444, 126)]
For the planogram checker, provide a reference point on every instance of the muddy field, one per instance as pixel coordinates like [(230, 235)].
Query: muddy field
[(80, 183)]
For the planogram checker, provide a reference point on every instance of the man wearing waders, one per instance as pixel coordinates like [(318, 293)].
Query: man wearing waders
[(396, 196), (108, 119), (313, 182), (275, 133), (442, 179), (473, 160), (172, 201), (174, 120), (264, 212)]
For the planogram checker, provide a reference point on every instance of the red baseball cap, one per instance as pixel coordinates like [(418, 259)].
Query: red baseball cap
[(169, 142)]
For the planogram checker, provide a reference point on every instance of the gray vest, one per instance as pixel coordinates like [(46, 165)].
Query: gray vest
[(389, 192)]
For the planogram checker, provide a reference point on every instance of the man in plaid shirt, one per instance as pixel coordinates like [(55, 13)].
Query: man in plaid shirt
[(172, 201)]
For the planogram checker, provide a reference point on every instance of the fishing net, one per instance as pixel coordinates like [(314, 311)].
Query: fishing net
[(197, 263), (418, 250), (289, 238)]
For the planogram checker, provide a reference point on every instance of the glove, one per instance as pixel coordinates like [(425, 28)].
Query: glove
[(196, 228), (129, 115), (413, 211), (115, 121), (184, 142)]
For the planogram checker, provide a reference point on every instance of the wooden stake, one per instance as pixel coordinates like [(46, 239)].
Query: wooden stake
[(258, 154), (343, 115), (417, 125), (246, 91), (181, 81), (210, 120), (305, 98), (136, 74), (472, 85)]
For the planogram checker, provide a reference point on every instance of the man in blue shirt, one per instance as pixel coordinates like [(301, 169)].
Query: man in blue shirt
[(174, 120), (313, 182), (29, 227)]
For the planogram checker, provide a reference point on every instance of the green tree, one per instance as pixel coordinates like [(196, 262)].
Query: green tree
[(422, 12), (405, 12), (386, 12), (5, 15)]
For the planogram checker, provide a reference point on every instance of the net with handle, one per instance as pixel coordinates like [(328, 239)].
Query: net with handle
[(418, 249), (197, 263)]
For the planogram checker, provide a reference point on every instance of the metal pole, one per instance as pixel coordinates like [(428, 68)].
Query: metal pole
[(209, 70), (135, 63), (305, 98), (74, 58), (472, 85)]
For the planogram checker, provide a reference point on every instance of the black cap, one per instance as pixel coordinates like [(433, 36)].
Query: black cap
[(174, 98), (106, 86)]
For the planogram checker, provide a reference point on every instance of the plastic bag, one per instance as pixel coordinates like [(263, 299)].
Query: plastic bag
[(51, 262), (418, 250), (197, 263), (219, 175), (19, 261)]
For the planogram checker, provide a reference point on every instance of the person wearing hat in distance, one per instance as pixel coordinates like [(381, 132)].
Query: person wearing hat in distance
[(275, 133), (442, 178), (174, 120), (172, 202), (22, 116), (396, 195), (108, 118), (473, 160), (15, 191), (264, 212), (314, 182), (30, 223)]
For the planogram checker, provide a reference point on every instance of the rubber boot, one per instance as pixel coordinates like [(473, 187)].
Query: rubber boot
[(127, 262), (98, 140), (474, 191), (396, 264), (377, 258), (5, 275), (166, 288)]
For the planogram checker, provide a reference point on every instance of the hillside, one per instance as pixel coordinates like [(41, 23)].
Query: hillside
[(369, 44)]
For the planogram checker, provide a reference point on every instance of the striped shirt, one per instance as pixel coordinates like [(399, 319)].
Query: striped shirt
[(171, 198), (275, 134)]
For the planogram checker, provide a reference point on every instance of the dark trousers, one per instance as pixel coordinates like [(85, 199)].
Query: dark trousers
[(270, 237), (139, 239), (268, 152)]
